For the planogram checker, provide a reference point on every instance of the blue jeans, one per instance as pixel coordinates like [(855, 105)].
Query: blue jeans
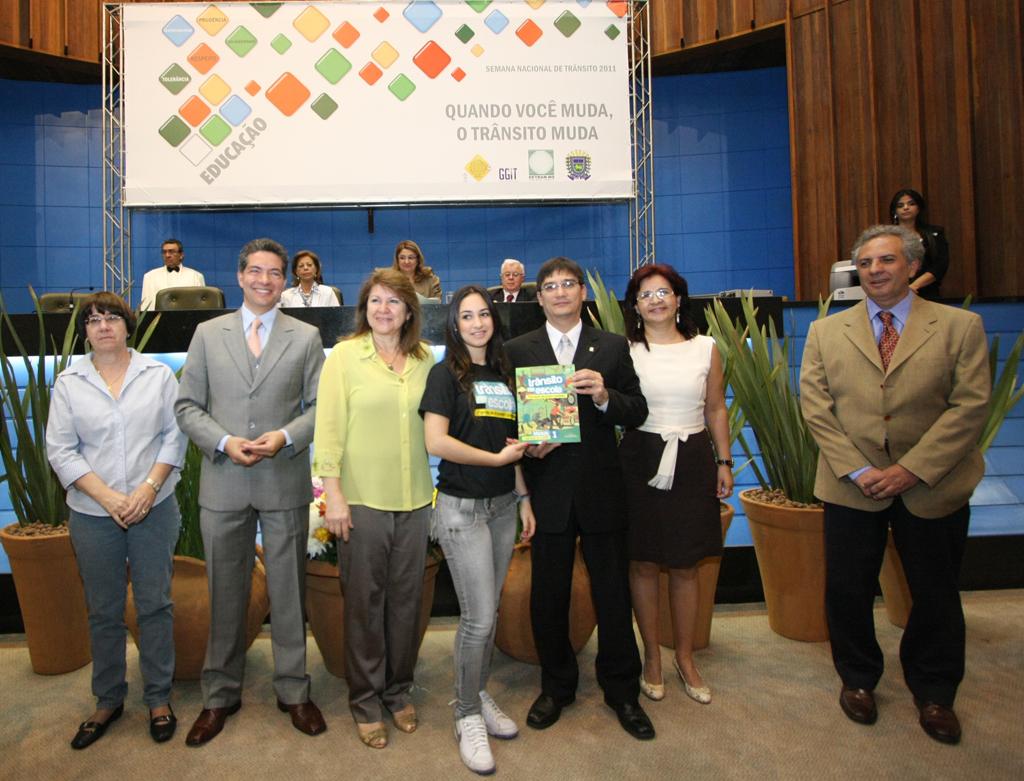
[(476, 536), (102, 549)]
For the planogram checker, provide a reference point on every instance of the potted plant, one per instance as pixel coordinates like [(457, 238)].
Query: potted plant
[(786, 521), (325, 600), (49, 588)]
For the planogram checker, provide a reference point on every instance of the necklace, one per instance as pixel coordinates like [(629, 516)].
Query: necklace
[(120, 375), (389, 362)]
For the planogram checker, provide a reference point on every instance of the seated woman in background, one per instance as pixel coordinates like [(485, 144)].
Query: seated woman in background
[(907, 208), (369, 450), (470, 423), (409, 260), (113, 442), (674, 478), (309, 289)]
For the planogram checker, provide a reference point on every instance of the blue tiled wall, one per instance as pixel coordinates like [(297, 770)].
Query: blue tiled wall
[(722, 203)]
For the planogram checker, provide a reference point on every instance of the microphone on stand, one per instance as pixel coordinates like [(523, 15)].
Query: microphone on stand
[(71, 295)]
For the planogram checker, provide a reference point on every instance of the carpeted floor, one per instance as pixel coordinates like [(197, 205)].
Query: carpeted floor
[(775, 715)]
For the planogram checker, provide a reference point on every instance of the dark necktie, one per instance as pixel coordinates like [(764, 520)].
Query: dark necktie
[(172, 269), (509, 298), (887, 342)]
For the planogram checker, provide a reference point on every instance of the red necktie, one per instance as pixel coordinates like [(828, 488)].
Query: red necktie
[(508, 298), (888, 340)]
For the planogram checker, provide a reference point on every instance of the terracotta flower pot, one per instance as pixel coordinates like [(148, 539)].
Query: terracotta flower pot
[(514, 634), (325, 609), (895, 590), (707, 582), (191, 599), (789, 543), (51, 599)]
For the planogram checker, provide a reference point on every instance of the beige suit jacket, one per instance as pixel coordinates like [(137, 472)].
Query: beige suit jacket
[(929, 406)]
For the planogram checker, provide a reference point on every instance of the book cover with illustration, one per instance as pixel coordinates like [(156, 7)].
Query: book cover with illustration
[(546, 404)]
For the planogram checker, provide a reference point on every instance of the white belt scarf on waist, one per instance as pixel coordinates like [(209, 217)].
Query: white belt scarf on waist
[(672, 435)]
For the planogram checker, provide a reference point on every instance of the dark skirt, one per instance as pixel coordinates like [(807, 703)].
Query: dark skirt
[(675, 528)]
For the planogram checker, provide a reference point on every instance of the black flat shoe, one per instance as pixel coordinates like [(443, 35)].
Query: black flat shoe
[(161, 728), (634, 720), (91, 731)]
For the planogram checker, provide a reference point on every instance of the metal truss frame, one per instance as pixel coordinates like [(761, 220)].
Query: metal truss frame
[(117, 248)]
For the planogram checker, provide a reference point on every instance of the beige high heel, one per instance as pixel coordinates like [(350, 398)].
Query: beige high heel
[(701, 694)]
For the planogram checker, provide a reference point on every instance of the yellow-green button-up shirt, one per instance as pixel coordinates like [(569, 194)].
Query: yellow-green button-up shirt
[(368, 428)]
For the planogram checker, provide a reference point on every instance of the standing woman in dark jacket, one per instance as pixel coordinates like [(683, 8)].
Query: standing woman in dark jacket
[(907, 208)]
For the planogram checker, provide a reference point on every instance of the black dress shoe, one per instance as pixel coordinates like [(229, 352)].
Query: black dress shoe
[(858, 705), (545, 711), (91, 731), (634, 720), (161, 728), (939, 721)]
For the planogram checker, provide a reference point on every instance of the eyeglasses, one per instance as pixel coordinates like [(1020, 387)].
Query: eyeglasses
[(662, 293), (565, 284), (109, 319)]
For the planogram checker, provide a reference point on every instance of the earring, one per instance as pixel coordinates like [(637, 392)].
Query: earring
[(677, 316)]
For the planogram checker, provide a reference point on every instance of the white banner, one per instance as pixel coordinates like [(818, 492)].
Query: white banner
[(376, 102)]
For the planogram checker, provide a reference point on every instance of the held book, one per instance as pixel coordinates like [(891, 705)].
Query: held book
[(546, 404)]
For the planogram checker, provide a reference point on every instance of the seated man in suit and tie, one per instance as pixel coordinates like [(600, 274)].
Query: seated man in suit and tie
[(895, 391), (247, 399), (513, 273), (173, 273), (577, 491)]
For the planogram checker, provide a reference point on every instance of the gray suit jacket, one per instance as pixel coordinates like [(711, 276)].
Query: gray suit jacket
[(219, 396)]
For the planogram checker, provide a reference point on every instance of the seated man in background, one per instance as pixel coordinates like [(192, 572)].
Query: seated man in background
[(512, 274), (171, 274)]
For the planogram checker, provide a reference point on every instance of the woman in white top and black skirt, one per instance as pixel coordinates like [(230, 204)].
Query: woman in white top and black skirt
[(676, 465)]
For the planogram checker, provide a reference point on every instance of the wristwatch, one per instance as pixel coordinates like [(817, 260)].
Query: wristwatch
[(724, 462), (154, 484)]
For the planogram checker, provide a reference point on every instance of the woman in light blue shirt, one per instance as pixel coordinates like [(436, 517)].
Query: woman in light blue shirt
[(113, 442)]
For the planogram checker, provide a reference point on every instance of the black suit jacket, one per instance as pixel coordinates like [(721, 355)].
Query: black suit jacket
[(525, 294), (584, 476)]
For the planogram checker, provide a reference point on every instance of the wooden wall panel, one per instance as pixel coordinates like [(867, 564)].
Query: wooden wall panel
[(801, 7), (769, 11), (855, 153), (948, 176), (699, 21), (14, 22), (734, 16), (896, 102), (811, 153), (666, 26), (46, 22), (84, 18), (996, 29)]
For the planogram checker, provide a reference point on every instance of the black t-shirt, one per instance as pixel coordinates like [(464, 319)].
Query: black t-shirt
[(492, 419)]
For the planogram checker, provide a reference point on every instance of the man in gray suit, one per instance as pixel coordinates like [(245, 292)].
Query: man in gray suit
[(247, 399)]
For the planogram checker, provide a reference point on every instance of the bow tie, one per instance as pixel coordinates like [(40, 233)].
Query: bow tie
[(174, 268)]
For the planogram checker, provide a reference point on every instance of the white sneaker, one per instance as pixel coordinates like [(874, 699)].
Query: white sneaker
[(498, 724), (471, 732)]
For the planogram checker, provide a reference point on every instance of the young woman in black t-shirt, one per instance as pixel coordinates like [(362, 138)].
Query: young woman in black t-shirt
[(469, 416)]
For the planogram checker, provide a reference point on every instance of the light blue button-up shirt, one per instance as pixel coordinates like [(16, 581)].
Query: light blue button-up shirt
[(119, 439)]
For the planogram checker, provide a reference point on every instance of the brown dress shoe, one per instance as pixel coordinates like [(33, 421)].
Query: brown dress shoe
[(306, 717), (939, 721), (209, 724), (858, 705)]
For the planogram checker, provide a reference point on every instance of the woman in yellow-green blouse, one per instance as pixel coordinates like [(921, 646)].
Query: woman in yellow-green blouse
[(369, 450)]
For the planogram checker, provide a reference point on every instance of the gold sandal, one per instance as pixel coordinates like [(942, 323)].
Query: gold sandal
[(374, 734), (406, 719)]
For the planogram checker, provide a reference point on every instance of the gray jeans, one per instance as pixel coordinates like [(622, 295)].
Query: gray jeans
[(476, 536), (102, 549)]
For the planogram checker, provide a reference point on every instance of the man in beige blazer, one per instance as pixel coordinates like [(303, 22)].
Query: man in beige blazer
[(895, 391)]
